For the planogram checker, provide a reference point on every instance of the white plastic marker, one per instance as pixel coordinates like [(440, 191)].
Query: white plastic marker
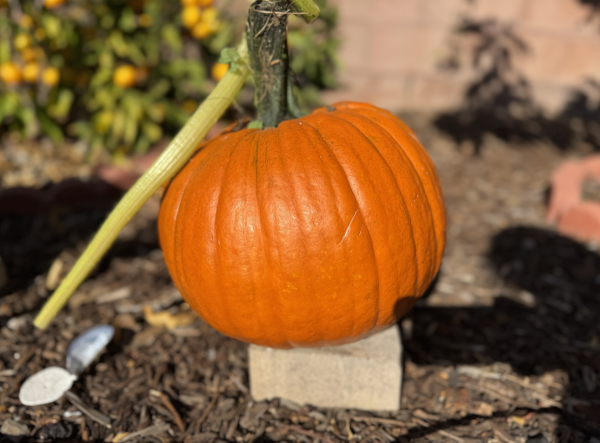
[(50, 384)]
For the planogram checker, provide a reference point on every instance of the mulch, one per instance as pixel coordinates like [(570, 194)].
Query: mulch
[(504, 348)]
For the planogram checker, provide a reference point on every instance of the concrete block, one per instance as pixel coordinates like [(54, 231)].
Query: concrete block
[(364, 375)]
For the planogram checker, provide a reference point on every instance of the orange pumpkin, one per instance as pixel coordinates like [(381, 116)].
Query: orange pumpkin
[(319, 232)]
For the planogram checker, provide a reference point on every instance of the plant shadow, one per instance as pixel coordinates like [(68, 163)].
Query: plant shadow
[(500, 101), (558, 330), (37, 225)]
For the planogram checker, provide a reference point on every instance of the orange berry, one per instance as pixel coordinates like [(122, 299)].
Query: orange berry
[(191, 16), (190, 106), (141, 74), (26, 21), (51, 4), (145, 20), (201, 30), (209, 15), (219, 70), (31, 72), (125, 76), (28, 54), (9, 73), (39, 53), (40, 34), (22, 41), (50, 76)]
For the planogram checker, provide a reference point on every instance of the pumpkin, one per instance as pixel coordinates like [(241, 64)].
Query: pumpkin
[(321, 231)]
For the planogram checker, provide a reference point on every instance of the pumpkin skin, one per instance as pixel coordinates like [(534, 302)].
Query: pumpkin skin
[(322, 231)]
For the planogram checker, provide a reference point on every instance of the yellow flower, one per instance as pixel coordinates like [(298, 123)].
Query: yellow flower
[(31, 72), (219, 70), (9, 73), (190, 16), (50, 76), (124, 76)]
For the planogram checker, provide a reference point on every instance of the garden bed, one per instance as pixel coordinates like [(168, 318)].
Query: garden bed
[(504, 348)]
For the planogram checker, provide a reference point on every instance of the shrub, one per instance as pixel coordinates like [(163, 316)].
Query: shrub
[(121, 74)]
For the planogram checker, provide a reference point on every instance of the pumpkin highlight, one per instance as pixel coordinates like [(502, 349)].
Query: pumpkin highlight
[(321, 231)]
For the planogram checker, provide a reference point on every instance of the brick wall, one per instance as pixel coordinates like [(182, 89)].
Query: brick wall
[(393, 49)]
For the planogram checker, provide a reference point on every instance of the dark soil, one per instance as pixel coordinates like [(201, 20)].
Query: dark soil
[(505, 347)]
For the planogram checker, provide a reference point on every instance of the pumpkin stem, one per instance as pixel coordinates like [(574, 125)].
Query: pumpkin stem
[(269, 60)]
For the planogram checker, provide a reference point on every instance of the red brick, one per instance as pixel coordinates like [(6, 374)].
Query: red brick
[(582, 60), (434, 92), (558, 15), (389, 91), (502, 10), (352, 9), (395, 11), (550, 96), (380, 11), (356, 40), (444, 11), (582, 222), (546, 54), (407, 48), (354, 86)]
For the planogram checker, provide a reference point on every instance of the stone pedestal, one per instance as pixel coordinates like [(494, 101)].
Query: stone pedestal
[(364, 375)]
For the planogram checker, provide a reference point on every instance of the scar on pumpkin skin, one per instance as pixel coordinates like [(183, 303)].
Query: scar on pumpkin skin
[(348, 228)]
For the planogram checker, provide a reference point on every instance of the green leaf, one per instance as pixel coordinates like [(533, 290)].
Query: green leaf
[(256, 124), (63, 103), (128, 21), (152, 131), (4, 50), (118, 126), (159, 89), (49, 127), (142, 145), (131, 131), (117, 42), (172, 38), (230, 56)]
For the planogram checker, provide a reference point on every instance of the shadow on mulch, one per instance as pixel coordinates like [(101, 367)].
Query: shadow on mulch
[(500, 101), (559, 330), (37, 225)]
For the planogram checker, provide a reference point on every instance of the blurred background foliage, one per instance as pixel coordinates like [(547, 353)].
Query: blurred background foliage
[(122, 74)]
